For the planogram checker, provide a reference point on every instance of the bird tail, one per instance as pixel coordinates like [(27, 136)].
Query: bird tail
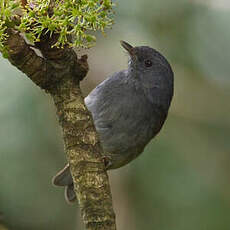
[(64, 178)]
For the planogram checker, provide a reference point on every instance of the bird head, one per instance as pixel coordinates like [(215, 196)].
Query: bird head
[(146, 62), (150, 69)]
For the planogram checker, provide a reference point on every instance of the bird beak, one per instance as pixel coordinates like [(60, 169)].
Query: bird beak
[(128, 47)]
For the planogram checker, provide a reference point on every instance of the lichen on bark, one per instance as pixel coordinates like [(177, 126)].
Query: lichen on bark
[(83, 150)]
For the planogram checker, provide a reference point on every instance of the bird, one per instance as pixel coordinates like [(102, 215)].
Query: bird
[(128, 108)]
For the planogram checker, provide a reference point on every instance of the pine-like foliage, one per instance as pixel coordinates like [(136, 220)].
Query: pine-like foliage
[(74, 21)]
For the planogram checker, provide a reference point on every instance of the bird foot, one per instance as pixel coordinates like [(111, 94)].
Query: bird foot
[(107, 162)]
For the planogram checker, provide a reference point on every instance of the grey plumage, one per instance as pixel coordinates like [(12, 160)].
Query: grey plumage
[(130, 107)]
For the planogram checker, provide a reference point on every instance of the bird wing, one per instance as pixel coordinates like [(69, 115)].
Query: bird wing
[(105, 103), (117, 109)]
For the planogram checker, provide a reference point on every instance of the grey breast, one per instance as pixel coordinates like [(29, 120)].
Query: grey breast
[(123, 117)]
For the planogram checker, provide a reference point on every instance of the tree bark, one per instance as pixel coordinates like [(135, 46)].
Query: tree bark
[(83, 152), (59, 73)]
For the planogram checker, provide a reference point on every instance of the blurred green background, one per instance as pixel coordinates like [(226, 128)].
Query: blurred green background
[(182, 181)]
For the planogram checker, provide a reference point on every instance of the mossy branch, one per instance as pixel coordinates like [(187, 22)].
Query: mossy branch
[(59, 71)]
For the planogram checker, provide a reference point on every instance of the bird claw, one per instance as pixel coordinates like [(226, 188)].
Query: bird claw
[(107, 162)]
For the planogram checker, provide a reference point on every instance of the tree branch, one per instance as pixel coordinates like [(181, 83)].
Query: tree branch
[(83, 151), (59, 72)]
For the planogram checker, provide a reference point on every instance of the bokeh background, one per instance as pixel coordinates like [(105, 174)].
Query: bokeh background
[(182, 180)]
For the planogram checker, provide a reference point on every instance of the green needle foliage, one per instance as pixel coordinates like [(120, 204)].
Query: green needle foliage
[(7, 9), (75, 21)]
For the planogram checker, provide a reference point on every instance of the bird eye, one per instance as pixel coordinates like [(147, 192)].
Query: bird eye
[(148, 63)]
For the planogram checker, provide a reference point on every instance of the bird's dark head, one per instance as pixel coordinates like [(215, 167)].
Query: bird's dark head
[(147, 61), (145, 58), (151, 69)]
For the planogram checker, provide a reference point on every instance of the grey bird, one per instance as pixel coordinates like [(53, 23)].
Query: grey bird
[(128, 108)]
